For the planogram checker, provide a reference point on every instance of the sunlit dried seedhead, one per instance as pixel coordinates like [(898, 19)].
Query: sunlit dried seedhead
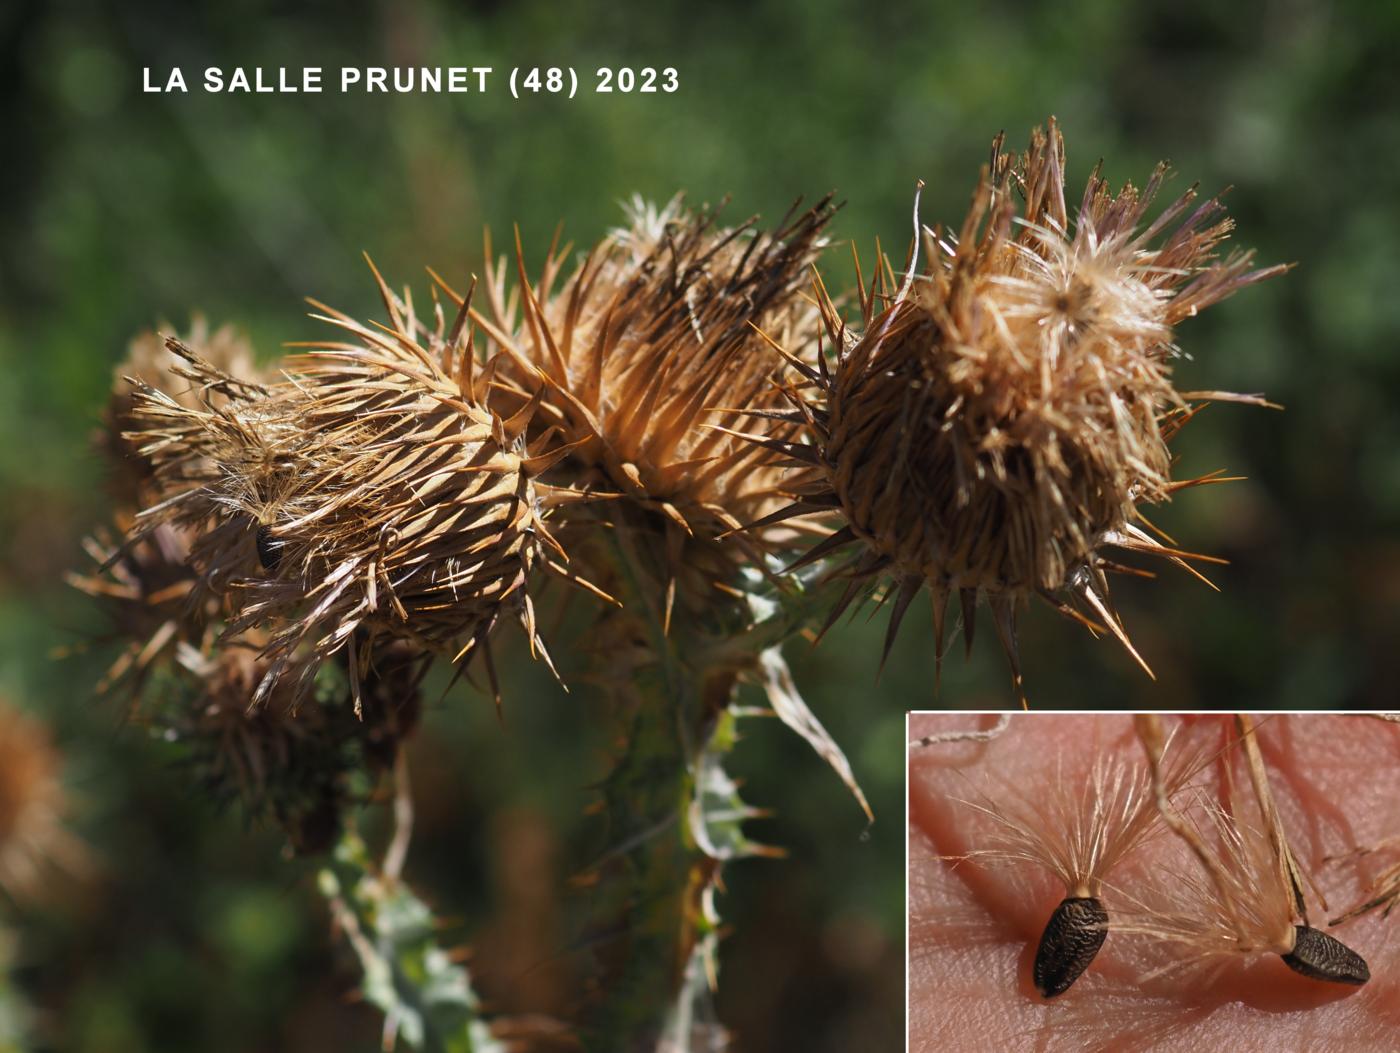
[(369, 496), (651, 331), (633, 352), (997, 421)]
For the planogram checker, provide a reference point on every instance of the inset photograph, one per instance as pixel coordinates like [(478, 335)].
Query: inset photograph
[(1127, 882)]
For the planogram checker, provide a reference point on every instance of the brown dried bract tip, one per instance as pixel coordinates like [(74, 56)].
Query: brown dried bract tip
[(1319, 956), (995, 426), (1072, 937)]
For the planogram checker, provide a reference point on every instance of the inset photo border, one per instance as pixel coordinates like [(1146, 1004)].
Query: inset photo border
[(1118, 881)]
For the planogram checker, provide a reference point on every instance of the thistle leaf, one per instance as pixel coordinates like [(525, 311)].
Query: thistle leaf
[(426, 998)]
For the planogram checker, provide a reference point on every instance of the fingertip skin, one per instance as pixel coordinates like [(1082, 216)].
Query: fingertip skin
[(1072, 937), (1319, 956)]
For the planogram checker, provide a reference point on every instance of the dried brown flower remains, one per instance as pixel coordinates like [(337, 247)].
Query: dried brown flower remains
[(369, 496), (998, 421), (147, 585), (632, 353)]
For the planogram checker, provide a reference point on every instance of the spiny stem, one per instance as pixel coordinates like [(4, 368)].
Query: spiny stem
[(652, 876), (426, 997)]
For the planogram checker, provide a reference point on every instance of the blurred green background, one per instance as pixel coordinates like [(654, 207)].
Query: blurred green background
[(123, 209)]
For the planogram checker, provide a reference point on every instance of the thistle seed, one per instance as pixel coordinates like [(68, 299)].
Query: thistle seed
[(1319, 956), (269, 548), (1072, 938)]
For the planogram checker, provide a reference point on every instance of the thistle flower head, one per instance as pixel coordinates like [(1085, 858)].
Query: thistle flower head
[(655, 329), (994, 427), (369, 496)]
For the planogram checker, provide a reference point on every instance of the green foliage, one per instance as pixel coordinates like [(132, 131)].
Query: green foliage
[(425, 996)]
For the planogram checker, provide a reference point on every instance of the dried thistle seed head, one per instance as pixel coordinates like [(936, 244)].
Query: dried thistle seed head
[(219, 446), (1071, 940), (369, 497), (656, 329), (994, 428), (1319, 956), (34, 842), (146, 585), (291, 760)]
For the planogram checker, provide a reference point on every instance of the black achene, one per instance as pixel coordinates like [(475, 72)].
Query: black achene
[(1319, 956), (1071, 939)]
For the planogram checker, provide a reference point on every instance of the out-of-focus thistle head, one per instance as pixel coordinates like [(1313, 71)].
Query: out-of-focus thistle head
[(291, 759), (659, 325), (34, 842), (367, 497), (147, 585), (1001, 417)]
